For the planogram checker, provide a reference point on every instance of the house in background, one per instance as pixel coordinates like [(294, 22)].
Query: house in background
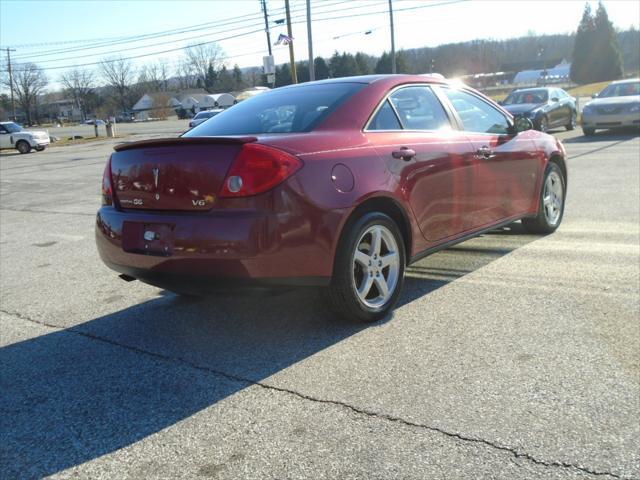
[(218, 100), (155, 105), (560, 73), (65, 110)]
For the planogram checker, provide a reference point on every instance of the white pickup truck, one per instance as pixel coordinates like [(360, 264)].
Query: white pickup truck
[(14, 136)]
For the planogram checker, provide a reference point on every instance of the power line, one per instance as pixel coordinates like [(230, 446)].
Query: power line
[(177, 31), (251, 33)]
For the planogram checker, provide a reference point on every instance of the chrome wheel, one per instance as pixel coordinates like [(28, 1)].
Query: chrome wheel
[(376, 266), (552, 198), (544, 124)]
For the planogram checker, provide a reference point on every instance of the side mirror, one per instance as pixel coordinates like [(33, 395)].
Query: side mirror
[(595, 95), (500, 102), (523, 124), (555, 99)]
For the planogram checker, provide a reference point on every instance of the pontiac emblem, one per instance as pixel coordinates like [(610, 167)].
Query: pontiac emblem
[(156, 173)]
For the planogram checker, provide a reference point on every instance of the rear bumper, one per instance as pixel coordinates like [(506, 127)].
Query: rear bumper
[(214, 250)]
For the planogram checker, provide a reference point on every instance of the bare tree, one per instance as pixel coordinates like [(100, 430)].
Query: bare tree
[(29, 81), (119, 74), (79, 84), (200, 57), (186, 77), (163, 74)]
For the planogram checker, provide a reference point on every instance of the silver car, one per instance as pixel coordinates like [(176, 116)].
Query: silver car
[(617, 106), (204, 115)]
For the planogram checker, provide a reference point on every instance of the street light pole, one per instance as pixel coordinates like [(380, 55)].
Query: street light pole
[(13, 102), (266, 24), (294, 75), (393, 41), (312, 69)]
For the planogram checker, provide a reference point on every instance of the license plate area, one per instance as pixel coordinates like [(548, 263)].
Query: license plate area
[(148, 238)]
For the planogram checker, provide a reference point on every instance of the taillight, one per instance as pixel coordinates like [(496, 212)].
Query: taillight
[(257, 169), (107, 189)]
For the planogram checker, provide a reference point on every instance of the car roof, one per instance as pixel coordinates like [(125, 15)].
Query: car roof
[(626, 80), (532, 88), (369, 79)]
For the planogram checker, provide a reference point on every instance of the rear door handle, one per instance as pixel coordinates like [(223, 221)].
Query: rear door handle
[(404, 153), (485, 152)]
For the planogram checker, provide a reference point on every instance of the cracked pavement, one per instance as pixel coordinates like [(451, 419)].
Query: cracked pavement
[(511, 355)]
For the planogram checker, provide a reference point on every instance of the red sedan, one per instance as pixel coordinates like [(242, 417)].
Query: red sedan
[(338, 184)]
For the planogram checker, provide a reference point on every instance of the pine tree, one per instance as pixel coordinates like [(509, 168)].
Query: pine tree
[(321, 68), (596, 53), (606, 57), (210, 79), (238, 81)]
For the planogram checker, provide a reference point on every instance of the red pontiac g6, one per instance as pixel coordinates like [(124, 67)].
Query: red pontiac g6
[(338, 183)]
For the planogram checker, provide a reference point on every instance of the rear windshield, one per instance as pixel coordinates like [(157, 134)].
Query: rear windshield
[(287, 110)]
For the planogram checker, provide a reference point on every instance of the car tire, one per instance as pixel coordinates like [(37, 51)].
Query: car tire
[(23, 146), (551, 202), (588, 132), (572, 121), (368, 270), (39, 149), (543, 124)]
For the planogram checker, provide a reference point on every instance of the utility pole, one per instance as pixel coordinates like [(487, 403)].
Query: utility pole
[(294, 75), (13, 102), (266, 24), (393, 41), (312, 69)]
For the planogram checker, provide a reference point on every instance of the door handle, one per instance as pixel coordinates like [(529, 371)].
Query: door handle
[(404, 153), (485, 152)]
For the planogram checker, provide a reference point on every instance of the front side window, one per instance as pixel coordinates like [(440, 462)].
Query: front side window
[(476, 114), (419, 109), (283, 110)]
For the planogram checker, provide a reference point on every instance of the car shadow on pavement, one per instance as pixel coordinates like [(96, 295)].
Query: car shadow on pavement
[(448, 265), (77, 394), (606, 136)]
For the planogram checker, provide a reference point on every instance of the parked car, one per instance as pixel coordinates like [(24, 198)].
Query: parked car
[(339, 184), (617, 106), (94, 121), (204, 115), (13, 135), (547, 107)]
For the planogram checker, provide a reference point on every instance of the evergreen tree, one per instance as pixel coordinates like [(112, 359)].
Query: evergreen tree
[(606, 57), (362, 64), (582, 47), (321, 68), (384, 64), (224, 82), (238, 82), (283, 75), (210, 79)]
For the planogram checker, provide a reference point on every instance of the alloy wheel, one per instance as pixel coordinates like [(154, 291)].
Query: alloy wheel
[(376, 266), (553, 198)]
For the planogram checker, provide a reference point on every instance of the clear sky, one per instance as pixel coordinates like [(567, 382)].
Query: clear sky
[(49, 33)]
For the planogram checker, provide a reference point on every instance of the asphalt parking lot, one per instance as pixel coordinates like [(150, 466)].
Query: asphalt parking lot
[(511, 356)]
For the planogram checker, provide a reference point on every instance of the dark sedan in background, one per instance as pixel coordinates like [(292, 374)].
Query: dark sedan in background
[(546, 107)]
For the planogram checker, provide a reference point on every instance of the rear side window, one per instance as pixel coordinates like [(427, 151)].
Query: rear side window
[(419, 109), (385, 119), (476, 114), (286, 110)]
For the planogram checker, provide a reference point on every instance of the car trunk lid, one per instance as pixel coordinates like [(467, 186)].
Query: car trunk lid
[(178, 174)]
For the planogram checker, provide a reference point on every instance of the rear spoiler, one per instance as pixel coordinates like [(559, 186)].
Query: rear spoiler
[(170, 142)]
